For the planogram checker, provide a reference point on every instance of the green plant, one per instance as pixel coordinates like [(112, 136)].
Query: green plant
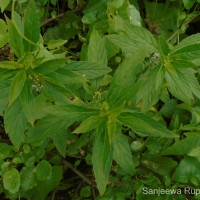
[(99, 90)]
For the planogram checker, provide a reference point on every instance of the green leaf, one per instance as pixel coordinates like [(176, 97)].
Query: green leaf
[(188, 171), (47, 127), (28, 178), (87, 69), (124, 78), (179, 87), (44, 170), (182, 147), (190, 52), (73, 111), (9, 65), (134, 38), (144, 125), (46, 186), (5, 150), (151, 85), (15, 123), (59, 141), (188, 3), (49, 66), (31, 26), (162, 165), (190, 40), (28, 102), (15, 39), (195, 152), (4, 92), (11, 180), (89, 124), (96, 49), (112, 128), (101, 160), (122, 153), (3, 33), (4, 4), (17, 86)]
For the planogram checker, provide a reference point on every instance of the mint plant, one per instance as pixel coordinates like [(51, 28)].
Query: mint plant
[(103, 90)]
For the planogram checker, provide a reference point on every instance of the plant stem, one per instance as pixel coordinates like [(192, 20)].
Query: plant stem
[(76, 171), (181, 26)]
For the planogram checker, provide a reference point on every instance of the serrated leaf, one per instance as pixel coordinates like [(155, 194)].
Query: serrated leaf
[(49, 66), (73, 112), (89, 124), (4, 92), (151, 85), (47, 127), (59, 141), (134, 38), (124, 78), (15, 40), (31, 26), (101, 160), (3, 33), (28, 102), (44, 170), (88, 70), (125, 43), (190, 52), (190, 40), (144, 125), (179, 87), (122, 153), (17, 86), (182, 147), (15, 123), (96, 49), (11, 180)]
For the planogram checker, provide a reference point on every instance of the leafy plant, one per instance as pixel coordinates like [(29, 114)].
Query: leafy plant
[(103, 90)]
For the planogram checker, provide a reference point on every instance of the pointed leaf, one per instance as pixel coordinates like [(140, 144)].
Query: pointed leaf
[(17, 85), (87, 69), (47, 127), (31, 26), (28, 102), (144, 125), (49, 66), (179, 87), (15, 40), (182, 147), (96, 49), (89, 124), (73, 112), (15, 123), (59, 141), (101, 160), (134, 37), (124, 77), (122, 154)]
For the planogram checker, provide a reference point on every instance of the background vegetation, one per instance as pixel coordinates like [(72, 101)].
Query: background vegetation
[(99, 99)]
